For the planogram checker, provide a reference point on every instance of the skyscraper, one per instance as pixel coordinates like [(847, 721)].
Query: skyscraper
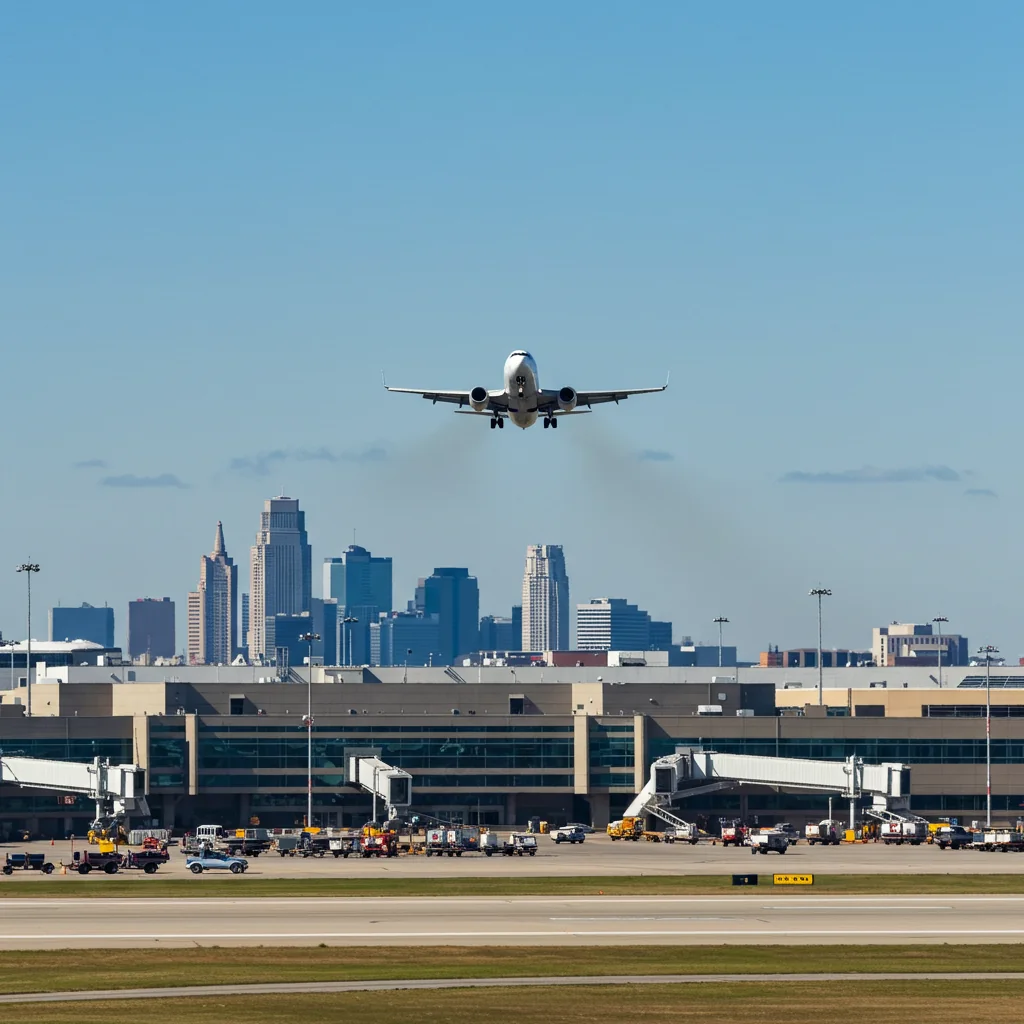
[(454, 597), (85, 623), (612, 624), (282, 569), (361, 584), (545, 599), (151, 628), (213, 608)]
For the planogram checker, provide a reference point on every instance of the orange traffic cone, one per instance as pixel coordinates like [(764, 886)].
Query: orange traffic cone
[(51, 842)]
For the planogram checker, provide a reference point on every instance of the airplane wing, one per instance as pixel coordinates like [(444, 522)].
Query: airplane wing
[(549, 399), (497, 400)]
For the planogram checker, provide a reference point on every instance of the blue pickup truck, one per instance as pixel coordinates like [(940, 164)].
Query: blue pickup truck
[(213, 860)]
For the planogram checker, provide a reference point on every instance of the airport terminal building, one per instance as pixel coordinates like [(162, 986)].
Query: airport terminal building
[(498, 746)]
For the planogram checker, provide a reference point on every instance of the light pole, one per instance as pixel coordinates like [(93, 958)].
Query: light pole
[(28, 568), (939, 620), (309, 638), (347, 626), (721, 621), (987, 653), (405, 677), (819, 593)]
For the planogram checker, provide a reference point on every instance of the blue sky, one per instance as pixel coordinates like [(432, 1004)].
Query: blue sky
[(222, 222)]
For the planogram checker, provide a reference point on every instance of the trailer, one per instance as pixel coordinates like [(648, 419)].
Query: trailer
[(898, 832), (520, 844), (27, 862), (1003, 840), (452, 840), (828, 832)]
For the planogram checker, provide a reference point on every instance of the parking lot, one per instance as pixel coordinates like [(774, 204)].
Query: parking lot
[(597, 856)]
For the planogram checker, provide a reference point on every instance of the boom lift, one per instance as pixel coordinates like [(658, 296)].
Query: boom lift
[(116, 789)]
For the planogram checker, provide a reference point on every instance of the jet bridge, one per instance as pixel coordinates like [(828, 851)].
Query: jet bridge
[(383, 781), (117, 789), (693, 772)]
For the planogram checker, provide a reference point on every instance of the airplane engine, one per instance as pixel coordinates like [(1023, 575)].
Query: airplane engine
[(478, 398), (567, 399)]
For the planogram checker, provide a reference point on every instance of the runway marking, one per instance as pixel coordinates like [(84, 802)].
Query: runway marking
[(193, 936)]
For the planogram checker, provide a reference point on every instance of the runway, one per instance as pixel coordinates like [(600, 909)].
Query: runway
[(31, 923), (423, 984)]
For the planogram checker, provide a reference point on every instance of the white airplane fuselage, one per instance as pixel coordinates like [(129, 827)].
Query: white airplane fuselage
[(522, 385)]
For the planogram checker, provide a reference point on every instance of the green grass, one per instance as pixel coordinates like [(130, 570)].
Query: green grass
[(79, 970), (612, 885), (752, 1003)]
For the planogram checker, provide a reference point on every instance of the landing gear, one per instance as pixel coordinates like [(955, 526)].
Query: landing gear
[(494, 423), (550, 421), (498, 422)]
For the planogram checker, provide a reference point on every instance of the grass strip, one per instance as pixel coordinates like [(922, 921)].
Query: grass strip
[(799, 1003), (92, 969), (107, 886)]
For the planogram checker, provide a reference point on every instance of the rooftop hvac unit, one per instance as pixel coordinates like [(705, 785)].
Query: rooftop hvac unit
[(709, 709), (744, 712)]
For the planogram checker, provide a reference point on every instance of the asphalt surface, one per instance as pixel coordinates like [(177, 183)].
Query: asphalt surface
[(310, 987), (598, 855), (67, 922)]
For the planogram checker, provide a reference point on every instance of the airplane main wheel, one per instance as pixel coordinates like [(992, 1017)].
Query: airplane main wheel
[(554, 423), (494, 423), (547, 423), (501, 424)]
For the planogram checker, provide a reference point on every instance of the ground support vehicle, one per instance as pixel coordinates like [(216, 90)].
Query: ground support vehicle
[(681, 834), (489, 844), (519, 844), (344, 846), (762, 842), (453, 840), (952, 837), (568, 835), (27, 862), (631, 828), (215, 860), (249, 842), (145, 860), (1003, 840), (734, 834), (828, 832), (378, 842), (107, 861), (903, 831)]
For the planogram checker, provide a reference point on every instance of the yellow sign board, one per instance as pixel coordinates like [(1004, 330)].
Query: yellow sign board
[(793, 879)]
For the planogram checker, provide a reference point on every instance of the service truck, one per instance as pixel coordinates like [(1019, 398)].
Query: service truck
[(453, 840), (519, 844), (762, 842), (626, 828), (828, 832), (734, 834), (900, 832)]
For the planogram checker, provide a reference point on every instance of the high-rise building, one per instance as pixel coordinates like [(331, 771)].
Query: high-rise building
[(611, 624), (454, 597), (84, 623), (361, 584), (213, 608), (281, 572), (291, 651), (405, 638), (151, 628), (660, 636), (517, 627), (498, 634), (545, 609), (908, 643), (243, 639)]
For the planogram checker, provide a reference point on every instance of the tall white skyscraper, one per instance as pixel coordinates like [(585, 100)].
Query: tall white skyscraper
[(545, 599), (213, 608), (282, 573)]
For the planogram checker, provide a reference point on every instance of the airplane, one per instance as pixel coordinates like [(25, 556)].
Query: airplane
[(522, 400)]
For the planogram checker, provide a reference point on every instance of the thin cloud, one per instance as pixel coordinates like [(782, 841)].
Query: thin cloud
[(874, 475), (264, 463), (90, 464), (131, 480), (653, 455), (980, 492)]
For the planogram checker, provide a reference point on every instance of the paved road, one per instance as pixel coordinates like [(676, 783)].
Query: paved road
[(304, 987), (597, 856), (31, 923)]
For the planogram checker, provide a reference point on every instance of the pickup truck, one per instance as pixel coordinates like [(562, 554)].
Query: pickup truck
[(214, 860), (145, 860), (568, 835), (952, 837)]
